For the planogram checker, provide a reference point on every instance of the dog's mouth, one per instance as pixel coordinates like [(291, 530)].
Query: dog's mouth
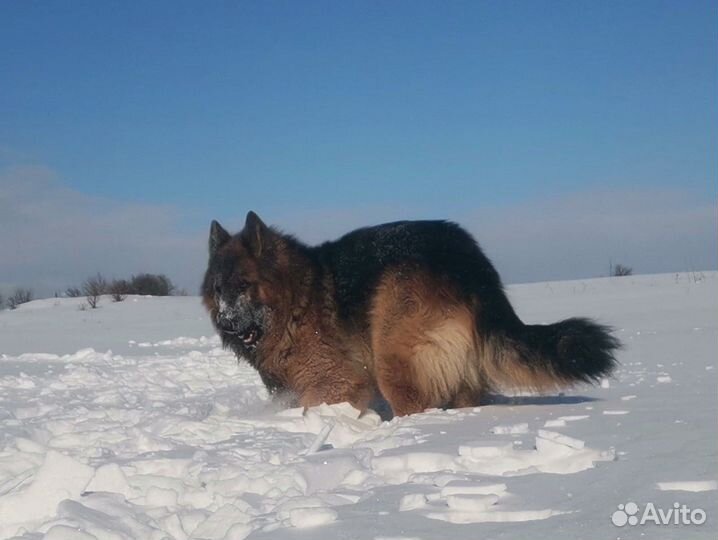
[(249, 337)]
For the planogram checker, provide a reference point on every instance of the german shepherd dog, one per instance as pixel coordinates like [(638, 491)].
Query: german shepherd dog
[(413, 310)]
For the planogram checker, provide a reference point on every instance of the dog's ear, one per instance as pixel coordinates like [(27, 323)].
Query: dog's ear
[(256, 233), (217, 237)]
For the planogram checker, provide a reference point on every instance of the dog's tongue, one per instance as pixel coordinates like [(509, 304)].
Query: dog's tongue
[(250, 337)]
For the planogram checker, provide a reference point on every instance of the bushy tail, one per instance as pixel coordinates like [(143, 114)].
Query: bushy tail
[(542, 357)]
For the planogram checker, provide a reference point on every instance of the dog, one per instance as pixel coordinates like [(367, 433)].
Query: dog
[(412, 311)]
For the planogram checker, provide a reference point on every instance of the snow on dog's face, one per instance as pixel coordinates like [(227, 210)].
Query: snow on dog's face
[(236, 284)]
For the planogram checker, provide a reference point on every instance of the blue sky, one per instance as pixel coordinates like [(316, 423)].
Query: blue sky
[(326, 115)]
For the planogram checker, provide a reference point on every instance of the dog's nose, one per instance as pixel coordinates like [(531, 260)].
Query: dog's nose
[(225, 324)]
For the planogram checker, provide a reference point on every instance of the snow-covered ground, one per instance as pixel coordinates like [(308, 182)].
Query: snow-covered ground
[(130, 422)]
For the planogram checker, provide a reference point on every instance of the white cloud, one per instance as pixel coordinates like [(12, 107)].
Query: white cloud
[(578, 235), (53, 236)]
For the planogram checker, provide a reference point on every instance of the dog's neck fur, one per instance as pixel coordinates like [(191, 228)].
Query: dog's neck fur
[(307, 313)]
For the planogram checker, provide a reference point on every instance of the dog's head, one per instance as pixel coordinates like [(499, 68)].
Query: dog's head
[(242, 285)]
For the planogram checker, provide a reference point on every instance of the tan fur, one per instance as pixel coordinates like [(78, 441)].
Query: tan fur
[(501, 366), (423, 344), (448, 360)]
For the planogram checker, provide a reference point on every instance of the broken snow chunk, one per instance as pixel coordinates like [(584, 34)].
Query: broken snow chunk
[(695, 486), (465, 488), (471, 503), (485, 449), (311, 517), (412, 502), (511, 429), (558, 438)]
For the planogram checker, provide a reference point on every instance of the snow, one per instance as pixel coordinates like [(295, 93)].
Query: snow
[(510, 429), (706, 485), (130, 422)]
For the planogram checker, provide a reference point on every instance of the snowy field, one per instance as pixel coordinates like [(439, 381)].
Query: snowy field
[(130, 422)]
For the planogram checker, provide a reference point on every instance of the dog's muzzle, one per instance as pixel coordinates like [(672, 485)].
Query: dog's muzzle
[(249, 336)]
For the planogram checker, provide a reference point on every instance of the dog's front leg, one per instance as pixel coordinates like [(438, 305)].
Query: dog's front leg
[(330, 392)]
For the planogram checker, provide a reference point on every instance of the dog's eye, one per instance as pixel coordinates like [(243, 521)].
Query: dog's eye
[(242, 285)]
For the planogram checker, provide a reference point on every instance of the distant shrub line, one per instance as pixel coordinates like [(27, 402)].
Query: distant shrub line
[(19, 296), (94, 287), (619, 270)]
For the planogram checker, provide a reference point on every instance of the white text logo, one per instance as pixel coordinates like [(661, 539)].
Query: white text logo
[(679, 514)]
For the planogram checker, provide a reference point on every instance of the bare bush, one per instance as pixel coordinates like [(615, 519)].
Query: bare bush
[(73, 292), (94, 287), (119, 289), (621, 270), (19, 296), (151, 284), (2, 301)]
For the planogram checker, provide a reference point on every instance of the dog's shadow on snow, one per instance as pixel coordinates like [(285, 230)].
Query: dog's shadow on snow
[(382, 408), (558, 399)]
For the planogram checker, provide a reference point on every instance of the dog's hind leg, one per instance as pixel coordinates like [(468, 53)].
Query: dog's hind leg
[(398, 383), (467, 396), (422, 367), (423, 345)]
